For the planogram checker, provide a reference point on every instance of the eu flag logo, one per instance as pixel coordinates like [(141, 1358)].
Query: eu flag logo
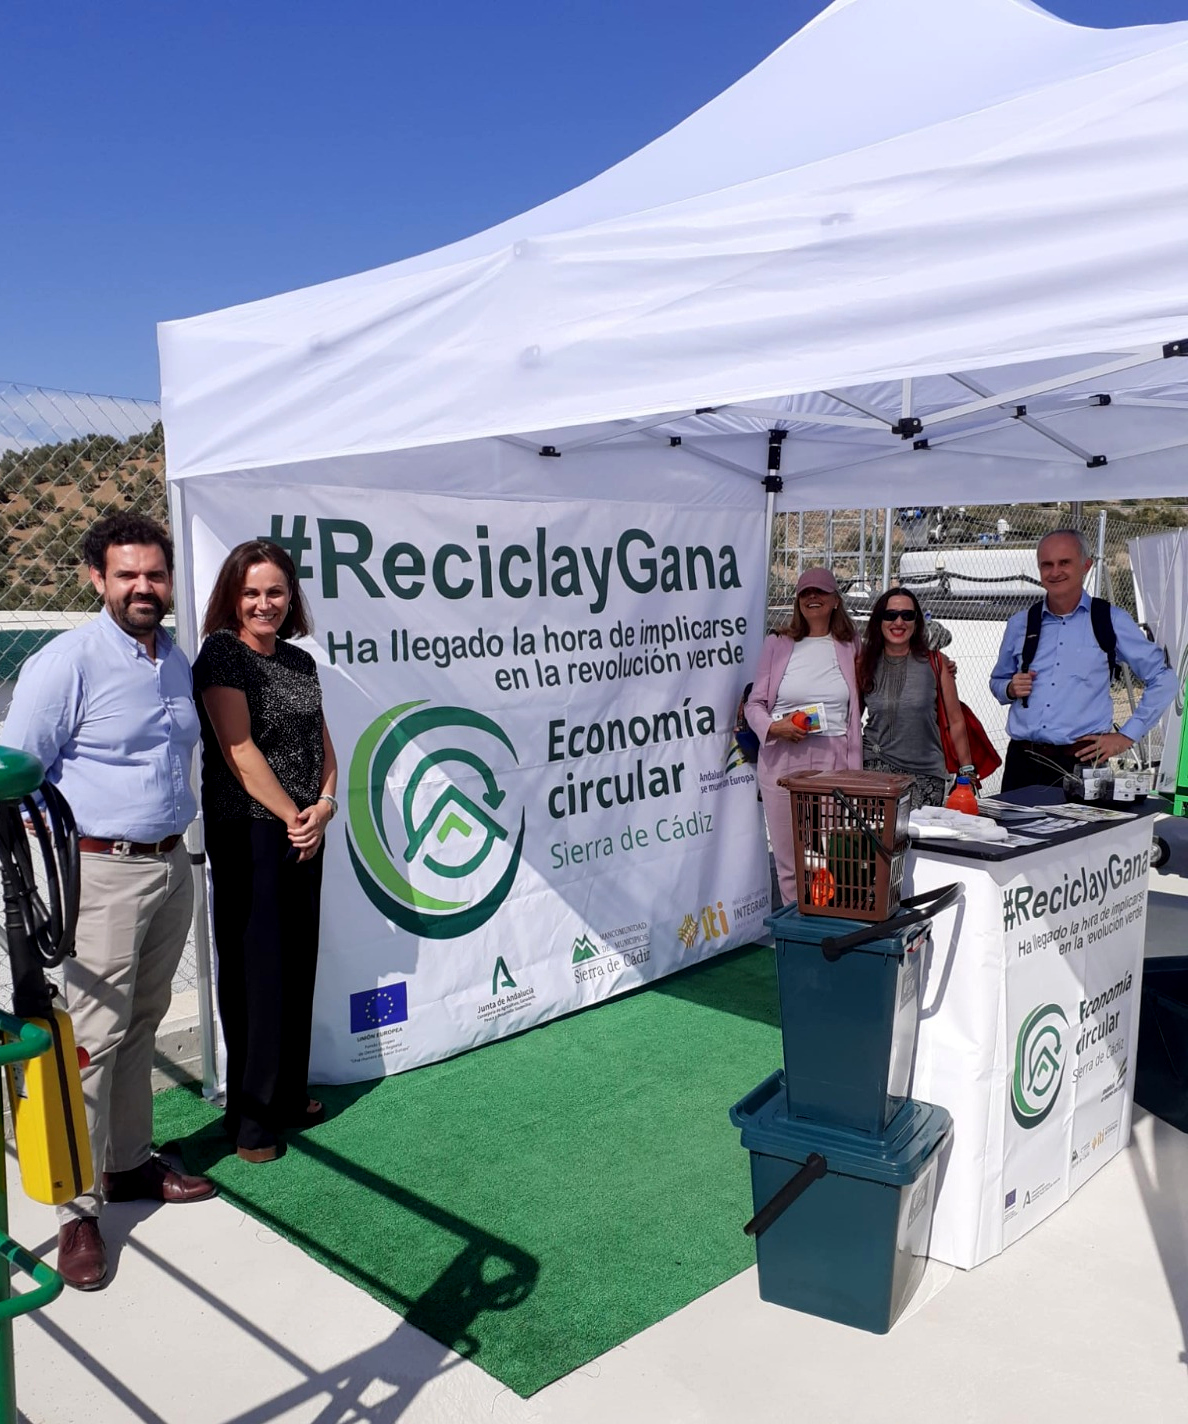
[(373, 1008), (1010, 1196)]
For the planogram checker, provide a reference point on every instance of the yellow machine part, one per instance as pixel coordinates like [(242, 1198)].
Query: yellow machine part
[(49, 1123)]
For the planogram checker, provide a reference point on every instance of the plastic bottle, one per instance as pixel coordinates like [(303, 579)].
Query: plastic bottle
[(962, 797)]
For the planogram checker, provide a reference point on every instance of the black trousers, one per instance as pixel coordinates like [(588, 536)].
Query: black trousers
[(266, 908), (1029, 764)]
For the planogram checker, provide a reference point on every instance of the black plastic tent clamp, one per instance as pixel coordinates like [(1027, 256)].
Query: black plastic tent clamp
[(815, 1167), (918, 907)]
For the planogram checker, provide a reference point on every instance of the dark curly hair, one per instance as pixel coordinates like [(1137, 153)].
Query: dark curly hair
[(123, 528), (872, 639), (223, 609)]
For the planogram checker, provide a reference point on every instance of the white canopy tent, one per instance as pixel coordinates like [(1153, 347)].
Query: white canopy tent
[(940, 245), (936, 249)]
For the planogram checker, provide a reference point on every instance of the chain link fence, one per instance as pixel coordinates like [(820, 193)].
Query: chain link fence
[(972, 567), (66, 459)]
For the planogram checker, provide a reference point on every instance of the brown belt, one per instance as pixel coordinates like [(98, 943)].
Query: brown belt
[(94, 846)]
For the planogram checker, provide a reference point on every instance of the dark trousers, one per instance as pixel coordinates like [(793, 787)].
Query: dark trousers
[(1028, 764), (266, 908)]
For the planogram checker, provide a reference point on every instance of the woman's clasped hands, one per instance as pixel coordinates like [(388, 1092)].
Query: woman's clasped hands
[(307, 828)]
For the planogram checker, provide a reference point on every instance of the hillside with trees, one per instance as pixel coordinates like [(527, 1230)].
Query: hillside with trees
[(49, 497)]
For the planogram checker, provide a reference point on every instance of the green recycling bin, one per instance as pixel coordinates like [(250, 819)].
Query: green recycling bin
[(848, 1024), (842, 1219)]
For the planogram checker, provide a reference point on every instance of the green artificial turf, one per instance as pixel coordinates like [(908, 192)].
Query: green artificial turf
[(535, 1202)]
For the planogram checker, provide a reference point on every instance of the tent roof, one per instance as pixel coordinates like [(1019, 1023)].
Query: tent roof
[(906, 189)]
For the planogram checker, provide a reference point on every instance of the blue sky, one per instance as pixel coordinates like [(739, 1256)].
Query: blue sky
[(167, 159)]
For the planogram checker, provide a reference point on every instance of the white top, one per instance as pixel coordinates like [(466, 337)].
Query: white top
[(813, 676)]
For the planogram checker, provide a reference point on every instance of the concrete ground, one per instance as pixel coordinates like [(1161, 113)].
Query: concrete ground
[(212, 1319)]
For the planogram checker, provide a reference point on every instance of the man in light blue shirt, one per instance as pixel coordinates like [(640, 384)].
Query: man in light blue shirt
[(109, 711), (1062, 712)]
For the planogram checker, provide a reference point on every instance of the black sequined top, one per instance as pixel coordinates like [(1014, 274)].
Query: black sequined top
[(284, 701)]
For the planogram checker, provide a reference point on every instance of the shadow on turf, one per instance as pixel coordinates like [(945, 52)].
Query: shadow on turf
[(741, 982), (486, 1274)]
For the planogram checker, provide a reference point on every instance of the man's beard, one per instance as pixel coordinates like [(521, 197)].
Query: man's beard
[(141, 613)]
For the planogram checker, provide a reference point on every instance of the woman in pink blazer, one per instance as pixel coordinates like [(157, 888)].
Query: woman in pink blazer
[(807, 665)]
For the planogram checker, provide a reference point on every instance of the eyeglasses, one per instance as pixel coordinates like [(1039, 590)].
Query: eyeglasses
[(813, 593), (891, 614)]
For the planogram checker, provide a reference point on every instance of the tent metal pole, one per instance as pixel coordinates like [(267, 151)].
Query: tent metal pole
[(1101, 540), (768, 530), (187, 628), (862, 548), (887, 547)]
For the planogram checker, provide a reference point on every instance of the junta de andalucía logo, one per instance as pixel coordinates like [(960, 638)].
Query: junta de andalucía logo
[(1039, 1064), (433, 836)]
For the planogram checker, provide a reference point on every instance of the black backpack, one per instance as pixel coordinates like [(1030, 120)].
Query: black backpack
[(1103, 631)]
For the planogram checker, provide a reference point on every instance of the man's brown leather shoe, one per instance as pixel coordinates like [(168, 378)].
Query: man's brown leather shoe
[(82, 1256), (155, 1180)]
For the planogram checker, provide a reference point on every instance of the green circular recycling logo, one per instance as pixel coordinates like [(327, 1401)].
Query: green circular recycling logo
[(438, 854), (1039, 1065)]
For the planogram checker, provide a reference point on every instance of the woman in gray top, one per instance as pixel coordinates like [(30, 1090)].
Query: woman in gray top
[(898, 681)]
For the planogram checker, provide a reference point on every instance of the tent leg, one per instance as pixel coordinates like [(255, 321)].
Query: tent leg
[(862, 548), (887, 547), (187, 627), (768, 532)]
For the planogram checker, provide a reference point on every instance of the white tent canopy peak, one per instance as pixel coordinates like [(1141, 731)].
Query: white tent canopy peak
[(828, 236)]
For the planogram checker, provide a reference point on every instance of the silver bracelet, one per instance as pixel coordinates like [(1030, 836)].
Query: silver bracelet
[(325, 796)]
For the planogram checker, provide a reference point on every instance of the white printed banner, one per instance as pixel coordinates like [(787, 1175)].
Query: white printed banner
[(1029, 1020), (533, 708), (1074, 925)]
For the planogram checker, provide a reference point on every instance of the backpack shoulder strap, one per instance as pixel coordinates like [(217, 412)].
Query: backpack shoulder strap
[(1031, 638), (1103, 631)]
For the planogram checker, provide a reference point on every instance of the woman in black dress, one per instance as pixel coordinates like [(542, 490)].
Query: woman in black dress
[(268, 781)]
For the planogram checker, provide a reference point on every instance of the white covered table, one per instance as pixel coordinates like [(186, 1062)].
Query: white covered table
[(1029, 1020)]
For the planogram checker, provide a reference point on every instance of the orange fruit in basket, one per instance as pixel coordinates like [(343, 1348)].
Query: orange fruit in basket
[(822, 888)]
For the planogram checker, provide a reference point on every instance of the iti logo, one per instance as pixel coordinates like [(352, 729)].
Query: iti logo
[(432, 837), (1039, 1065), (687, 931), (714, 924)]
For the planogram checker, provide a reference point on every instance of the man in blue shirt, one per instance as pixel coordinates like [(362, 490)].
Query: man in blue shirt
[(1062, 712), (109, 710)]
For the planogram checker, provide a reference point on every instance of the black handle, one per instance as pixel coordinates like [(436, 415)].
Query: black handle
[(815, 1167), (861, 825), (918, 907)]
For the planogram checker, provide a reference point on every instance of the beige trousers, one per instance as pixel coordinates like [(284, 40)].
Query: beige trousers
[(132, 925)]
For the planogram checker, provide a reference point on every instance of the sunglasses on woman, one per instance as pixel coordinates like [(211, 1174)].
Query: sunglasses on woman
[(891, 614)]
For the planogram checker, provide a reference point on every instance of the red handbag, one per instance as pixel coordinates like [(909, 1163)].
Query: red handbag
[(982, 755)]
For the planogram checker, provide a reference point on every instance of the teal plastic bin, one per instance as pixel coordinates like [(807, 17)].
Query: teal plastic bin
[(842, 1219), (849, 1006)]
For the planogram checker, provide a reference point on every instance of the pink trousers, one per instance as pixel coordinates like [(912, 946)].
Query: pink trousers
[(782, 759)]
